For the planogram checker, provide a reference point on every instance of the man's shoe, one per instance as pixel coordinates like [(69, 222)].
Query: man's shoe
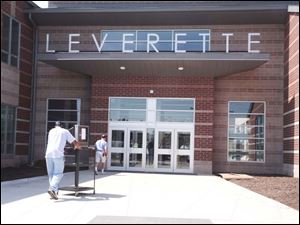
[(52, 194)]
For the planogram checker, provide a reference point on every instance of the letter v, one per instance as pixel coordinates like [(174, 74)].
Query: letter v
[(97, 45)]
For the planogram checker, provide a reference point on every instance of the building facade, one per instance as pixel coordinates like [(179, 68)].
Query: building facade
[(179, 87)]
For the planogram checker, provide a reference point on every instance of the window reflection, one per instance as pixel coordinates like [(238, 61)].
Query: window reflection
[(246, 131), (150, 147), (183, 162), (183, 142), (117, 159), (117, 139), (136, 139), (164, 140)]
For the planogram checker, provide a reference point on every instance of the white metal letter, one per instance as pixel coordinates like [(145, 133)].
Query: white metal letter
[(203, 41), (73, 42), (47, 44), (152, 42), (250, 42), (102, 43), (126, 42), (179, 42), (227, 40)]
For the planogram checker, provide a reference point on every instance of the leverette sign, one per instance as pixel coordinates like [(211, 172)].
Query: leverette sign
[(176, 41)]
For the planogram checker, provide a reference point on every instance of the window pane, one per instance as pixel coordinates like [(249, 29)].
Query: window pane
[(246, 119), (5, 33), (175, 104), (163, 35), (4, 57), (117, 139), (164, 161), (246, 132), (246, 156), (14, 61), (183, 142), (150, 147), (117, 159), (246, 107), (118, 35), (167, 116), (246, 144), (127, 103), (15, 38), (127, 115), (136, 139), (62, 104), (7, 129), (164, 140), (62, 115), (183, 162), (135, 160)]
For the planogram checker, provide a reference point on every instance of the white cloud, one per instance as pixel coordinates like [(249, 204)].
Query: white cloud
[(42, 4)]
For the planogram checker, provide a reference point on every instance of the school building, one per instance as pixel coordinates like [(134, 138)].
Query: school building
[(195, 87)]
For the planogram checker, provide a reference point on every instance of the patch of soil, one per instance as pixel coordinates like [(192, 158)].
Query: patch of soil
[(280, 188)]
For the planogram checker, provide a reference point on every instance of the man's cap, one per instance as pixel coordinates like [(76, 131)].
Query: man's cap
[(104, 136), (57, 123)]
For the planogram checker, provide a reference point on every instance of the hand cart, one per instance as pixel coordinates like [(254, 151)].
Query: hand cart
[(78, 163)]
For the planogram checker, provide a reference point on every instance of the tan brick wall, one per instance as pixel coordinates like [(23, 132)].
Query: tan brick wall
[(265, 83), (56, 83), (291, 97), (16, 82)]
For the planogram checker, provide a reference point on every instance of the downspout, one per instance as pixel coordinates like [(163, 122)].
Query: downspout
[(33, 94)]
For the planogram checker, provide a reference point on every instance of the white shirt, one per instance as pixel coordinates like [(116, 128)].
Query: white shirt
[(57, 139), (101, 145)]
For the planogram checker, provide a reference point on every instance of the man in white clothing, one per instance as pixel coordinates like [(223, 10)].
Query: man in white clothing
[(55, 161), (101, 153)]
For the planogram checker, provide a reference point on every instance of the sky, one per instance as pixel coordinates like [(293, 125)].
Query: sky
[(42, 4)]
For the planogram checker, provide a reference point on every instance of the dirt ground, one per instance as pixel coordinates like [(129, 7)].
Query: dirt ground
[(280, 188)]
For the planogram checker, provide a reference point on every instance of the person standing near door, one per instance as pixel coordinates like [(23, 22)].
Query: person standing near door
[(101, 153)]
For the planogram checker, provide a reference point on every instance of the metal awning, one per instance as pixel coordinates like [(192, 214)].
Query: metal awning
[(212, 64)]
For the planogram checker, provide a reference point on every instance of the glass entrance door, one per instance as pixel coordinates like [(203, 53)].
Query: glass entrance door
[(127, 148), (173, 150)]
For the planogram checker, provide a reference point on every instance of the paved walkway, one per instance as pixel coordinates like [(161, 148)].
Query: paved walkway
[(140, 198)]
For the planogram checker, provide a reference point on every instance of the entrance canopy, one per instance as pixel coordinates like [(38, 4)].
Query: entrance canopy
[(212, 64)]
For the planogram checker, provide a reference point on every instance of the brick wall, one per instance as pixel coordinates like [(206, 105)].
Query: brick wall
[(53, 82), (199, 88), (264, 83), (291, 97), (22, 89)]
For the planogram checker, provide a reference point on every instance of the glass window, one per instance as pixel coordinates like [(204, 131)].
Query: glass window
[(183, 162), (67, 111), (246, 125), (8, 117), (164, 40), (150, 147), (184, 140), (136, 139), (164, 140), (10, 38), (135, 160), (127, 109), (175, 110), (117, 139), (117, 159)]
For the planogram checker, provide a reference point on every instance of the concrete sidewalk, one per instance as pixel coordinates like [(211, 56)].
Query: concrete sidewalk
[(140, 198)]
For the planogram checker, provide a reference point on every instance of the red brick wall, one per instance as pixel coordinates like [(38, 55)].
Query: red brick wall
[(16, 10), (164, 86), (264, 83), (291, 92)]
